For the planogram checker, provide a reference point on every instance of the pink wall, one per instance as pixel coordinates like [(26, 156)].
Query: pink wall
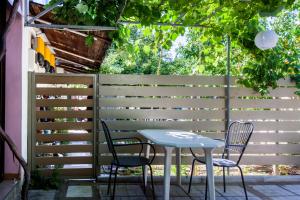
[(13, 92)]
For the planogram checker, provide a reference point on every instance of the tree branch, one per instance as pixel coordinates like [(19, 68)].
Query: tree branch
[(121, 12)]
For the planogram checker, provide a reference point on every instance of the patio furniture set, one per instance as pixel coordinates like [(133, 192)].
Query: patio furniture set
[(236, 140)]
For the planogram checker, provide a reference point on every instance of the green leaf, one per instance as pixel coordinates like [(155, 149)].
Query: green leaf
[(147, 49), (82, 8), (89, 40)]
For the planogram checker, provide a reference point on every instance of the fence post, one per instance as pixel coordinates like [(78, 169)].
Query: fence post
[(95, 127), (31, 120), (227, 91)]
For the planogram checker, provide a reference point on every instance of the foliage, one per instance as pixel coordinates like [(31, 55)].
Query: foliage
[(205, 54), (239, 19), (38, 181), (266, 67)]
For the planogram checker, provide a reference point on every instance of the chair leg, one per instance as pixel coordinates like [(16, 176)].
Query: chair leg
[(109, 179), (224, 180), (191, 178), (115, 180), (245, 190), (152, 184), (206, 184), (143, 171)]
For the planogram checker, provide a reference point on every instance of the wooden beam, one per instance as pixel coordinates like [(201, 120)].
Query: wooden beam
[(73, 63), (73, 54), (73, 69)]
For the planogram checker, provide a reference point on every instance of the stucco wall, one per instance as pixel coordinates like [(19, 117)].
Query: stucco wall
[(13, 92)]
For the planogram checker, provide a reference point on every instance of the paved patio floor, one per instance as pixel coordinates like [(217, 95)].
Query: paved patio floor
[(84, 190)]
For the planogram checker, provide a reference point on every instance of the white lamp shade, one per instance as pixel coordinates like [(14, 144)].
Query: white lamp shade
[(266, 39)]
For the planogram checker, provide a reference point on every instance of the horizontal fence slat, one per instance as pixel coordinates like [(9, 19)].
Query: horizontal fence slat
[(198, 103), (286, 82), (276, 137), (102, 138), (161, 80), (279, 92), (72, 172), (188, 125), (64, 137), (162, 102), (64, 102), (63, 160), (161, 114), (64, 114), (246, 160), (63, 148), (61, 79), (257, 115), (256, 137), (196, 114), (64, 125), (188, 91), (277, 126), (265, 103), (160, 91), (251, 149), (174, 80), (200, 125), (65, 91)]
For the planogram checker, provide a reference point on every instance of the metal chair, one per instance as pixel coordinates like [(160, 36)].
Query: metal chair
[(236, 140), (127, 161)]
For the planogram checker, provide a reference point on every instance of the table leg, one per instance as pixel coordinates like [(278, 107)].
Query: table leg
[(147, 154), (210, 174), (178, 164), (167, 172)]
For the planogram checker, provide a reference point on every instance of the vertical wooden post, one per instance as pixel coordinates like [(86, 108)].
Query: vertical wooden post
[(31, 139), (96, 124), (227, 91)]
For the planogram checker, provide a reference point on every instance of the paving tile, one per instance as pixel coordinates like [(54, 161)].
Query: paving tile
[(203, 198), (175, 191), (123, 190), (174, 198), (233, 191), (286, 198), (79, 191), (41, 194), (197, 190), (243, 198), (292, 188), (124, 198), (271, 190)]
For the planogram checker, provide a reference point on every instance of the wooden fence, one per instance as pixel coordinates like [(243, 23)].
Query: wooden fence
[(197, 103), (132, 102), (63, 124)]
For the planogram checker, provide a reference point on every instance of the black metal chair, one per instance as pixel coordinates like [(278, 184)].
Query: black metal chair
[(236, 140), (127, 161)]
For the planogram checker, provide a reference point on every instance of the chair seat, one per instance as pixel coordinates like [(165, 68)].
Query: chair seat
[(131, 161), (220, 162)]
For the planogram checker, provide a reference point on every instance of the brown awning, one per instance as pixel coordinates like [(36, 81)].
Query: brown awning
[(69, 45)]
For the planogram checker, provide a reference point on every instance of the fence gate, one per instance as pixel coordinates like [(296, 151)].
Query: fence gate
[(62, 124)]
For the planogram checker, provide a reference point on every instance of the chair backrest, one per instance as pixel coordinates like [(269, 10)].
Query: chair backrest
[(109, 141), (237, 138)]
